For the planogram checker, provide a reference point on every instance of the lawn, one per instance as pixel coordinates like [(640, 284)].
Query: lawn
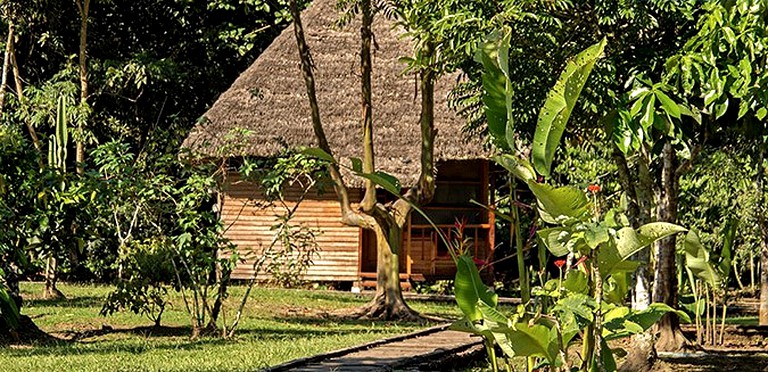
[(279, 325)]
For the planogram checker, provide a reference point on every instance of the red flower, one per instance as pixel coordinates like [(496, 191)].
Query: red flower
[(459, 225), (560, 263), (479, 262), (594, 188)]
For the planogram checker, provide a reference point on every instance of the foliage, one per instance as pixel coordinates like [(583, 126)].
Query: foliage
[(601, 245), (18, 194), (9, 310), (641, 36), (708, 277), (145, 269), (722, 188), (559, 105), (167, 234)]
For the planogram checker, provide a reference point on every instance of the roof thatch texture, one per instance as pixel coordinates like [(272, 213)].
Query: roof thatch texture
[(267, 106)]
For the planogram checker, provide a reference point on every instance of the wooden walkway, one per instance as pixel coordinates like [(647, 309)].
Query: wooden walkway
[(412, 351)]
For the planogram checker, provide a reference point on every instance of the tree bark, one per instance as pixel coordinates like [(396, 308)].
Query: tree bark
[(83, 6), (369, 199), (50, 291), (665, 281), (6, 66), (642, 354), (348, 216), (20, 95), (763, 224), (388, 302), (640, 292)]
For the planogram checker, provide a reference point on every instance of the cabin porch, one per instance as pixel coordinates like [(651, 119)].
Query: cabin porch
[(424, 256)]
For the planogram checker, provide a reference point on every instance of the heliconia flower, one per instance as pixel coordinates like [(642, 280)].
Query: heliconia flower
[(460, 224), (594, 188), (560, 263)]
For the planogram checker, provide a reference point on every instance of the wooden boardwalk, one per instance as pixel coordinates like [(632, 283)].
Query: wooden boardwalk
[(397, 353)]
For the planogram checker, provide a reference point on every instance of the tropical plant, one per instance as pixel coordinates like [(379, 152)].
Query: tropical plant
[(61, 226), (601, 244), (708, 277)]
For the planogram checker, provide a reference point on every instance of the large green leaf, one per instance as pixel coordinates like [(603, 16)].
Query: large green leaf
[(519, 167), (557, 202), (318, 153), (578, 304), (531, 340), (553, 239), (630, 241), (616, 287), (621, 322), (493, 54), (576, 281), (697, 260), (469, 289), (560, 102), (595, 235), (384, 180), (648, 317)]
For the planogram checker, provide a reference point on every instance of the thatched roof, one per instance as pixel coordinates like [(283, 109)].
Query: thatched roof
[(267, 105)]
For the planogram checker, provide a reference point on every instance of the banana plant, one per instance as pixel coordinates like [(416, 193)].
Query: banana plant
[(601, 244)]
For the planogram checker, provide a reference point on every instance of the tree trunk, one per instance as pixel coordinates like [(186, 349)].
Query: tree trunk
[(665, 281), (641, 297), (386, 221), (388, 302), (6, 66), (84, 8), (642, 354), (638, 212), (50, 291), (763, 315), (20, 95), (366, 69)]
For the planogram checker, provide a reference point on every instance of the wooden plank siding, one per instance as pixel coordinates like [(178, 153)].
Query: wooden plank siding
[(248, 223), (348, 252)]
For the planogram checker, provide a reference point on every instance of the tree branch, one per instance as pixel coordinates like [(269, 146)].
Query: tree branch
[(348, 216), (369, 199), (424, 190), (20, 95)]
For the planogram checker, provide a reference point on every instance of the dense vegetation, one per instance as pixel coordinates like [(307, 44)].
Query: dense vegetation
[(661, 107)]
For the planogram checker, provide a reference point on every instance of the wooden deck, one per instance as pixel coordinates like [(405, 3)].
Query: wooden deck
[(402, 352)]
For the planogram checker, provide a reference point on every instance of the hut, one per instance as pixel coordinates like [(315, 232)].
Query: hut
[(267, 107)]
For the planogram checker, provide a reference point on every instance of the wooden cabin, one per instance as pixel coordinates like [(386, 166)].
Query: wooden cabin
[(267, 109)]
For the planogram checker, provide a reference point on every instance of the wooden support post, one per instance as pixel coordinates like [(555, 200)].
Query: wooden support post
[(488, 189), (408, 259)]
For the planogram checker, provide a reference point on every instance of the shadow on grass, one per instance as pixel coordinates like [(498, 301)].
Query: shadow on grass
[(144, 331), (80, 301), (79, 345), (330, 321), (64, 348)]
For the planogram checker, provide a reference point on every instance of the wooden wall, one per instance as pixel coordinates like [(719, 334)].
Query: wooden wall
[(249, 227)]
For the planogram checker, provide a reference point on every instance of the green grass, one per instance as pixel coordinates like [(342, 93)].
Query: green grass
[(279, 325)]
